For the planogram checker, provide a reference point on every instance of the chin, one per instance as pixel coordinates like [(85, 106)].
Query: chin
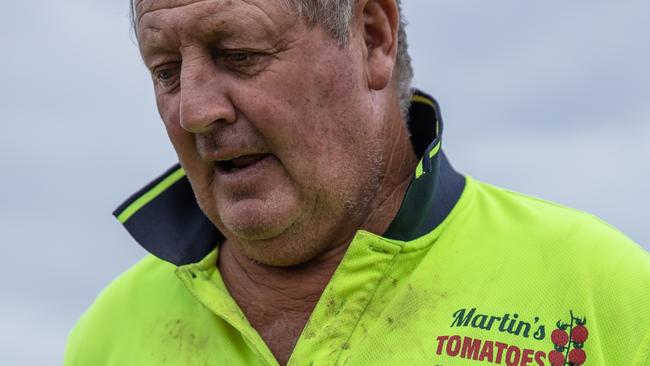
[(253, 221), (268, 240), (251, 231)]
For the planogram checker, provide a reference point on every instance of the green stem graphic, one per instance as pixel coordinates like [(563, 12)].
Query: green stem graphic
[(568, 348)]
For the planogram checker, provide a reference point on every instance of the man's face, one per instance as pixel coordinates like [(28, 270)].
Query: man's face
[(272, 120)]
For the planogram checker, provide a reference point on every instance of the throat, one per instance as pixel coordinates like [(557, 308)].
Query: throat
[(277, 301), (282, 334)]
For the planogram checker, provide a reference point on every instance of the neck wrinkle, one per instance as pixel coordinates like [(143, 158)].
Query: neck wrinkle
[(266, 289)]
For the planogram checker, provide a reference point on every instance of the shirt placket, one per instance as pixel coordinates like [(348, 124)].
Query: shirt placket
[(207, 286), (353, 287)]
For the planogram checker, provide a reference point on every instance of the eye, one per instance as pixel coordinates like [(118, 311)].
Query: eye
[(243, 62), (240, 60), (237, 56), (166, 76)]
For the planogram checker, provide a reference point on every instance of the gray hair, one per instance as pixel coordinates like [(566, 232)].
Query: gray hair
[(335, 17)]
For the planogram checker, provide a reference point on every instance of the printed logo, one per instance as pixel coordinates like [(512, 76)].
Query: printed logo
[(489, 349), (568, 340)]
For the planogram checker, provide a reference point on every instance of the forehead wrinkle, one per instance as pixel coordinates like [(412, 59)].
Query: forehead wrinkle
[(273, 25), (260, 19), (265, 12), (249, 20), (168, 26), (144, 7)]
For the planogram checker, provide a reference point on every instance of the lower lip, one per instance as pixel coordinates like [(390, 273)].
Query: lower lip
[(248, 172)]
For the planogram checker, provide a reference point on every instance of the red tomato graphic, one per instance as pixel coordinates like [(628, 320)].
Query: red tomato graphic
[(577, 356), (579, 334), (556, 358), (559, 337)]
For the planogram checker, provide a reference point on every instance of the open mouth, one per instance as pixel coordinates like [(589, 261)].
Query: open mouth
[(240, 163)]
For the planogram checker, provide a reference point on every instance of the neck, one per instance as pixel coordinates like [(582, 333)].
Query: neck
[(265, 288), (277, 301)]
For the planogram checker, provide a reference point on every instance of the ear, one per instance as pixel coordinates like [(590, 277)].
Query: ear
[(380, 24)]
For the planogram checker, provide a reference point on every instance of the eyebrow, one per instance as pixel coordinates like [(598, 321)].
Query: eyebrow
[(152, 39), (156, 38)]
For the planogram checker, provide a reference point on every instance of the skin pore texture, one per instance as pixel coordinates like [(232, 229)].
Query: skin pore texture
[(292, 143)]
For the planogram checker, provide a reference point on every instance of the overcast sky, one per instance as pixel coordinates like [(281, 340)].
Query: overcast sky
[(549, 98)]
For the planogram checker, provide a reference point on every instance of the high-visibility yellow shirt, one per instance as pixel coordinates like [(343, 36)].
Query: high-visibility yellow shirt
[(467, 274)]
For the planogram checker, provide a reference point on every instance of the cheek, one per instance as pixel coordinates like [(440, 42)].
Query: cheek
[(312, 119), (309, 110)]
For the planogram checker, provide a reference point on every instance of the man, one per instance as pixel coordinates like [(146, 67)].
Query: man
[(314, 219)]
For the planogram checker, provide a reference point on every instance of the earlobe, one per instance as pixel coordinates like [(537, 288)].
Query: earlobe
[(380, 26)]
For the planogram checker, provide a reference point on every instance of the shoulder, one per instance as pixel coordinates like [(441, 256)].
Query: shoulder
[(135, 289), (568, 259), (578, 244), (553, 227), (121, 307)]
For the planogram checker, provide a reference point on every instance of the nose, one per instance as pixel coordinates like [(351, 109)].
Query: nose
[(204, 101)]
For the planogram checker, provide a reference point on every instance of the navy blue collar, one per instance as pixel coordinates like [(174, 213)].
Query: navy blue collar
[(166, 220)]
